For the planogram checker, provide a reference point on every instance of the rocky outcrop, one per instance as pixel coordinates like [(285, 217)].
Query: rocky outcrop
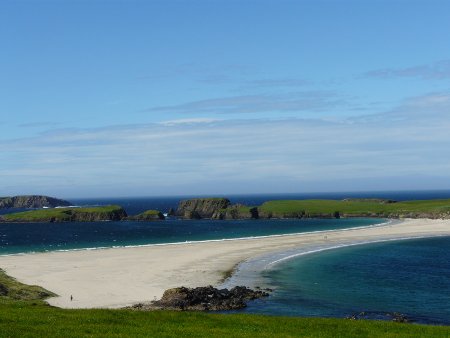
[(31, 201), (370, 200), (203, 299), (149, 215), (373, 315), (198, 208), (236, 211)]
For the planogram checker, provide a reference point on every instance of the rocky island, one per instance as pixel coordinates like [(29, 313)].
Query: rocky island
[(32, 201), (105, 213)]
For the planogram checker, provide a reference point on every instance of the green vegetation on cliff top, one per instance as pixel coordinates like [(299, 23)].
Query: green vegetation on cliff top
[(355, 207), (67, 214)]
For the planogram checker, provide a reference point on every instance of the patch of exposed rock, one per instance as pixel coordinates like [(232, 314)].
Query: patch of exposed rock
[(198, 208), (370, 200), (392, 316), (203, 299)]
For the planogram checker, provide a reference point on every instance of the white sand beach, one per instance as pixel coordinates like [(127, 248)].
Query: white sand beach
[(119, 277)]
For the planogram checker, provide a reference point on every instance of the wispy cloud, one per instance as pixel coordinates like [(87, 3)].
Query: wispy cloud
[(207, 156), (426, 108), (313, 101), (436, 71), (46, 124)]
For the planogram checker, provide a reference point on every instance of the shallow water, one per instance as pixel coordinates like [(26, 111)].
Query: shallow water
[(411, 277)]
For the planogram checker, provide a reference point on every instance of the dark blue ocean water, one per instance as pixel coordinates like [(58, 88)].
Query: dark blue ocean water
[(411, 277), (38, 237)]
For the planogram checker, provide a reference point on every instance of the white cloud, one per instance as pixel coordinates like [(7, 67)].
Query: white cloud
[(242, 156)]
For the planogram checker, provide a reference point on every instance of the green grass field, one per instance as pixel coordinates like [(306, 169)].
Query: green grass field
[(293, 208), (63, 214), (23, 313)]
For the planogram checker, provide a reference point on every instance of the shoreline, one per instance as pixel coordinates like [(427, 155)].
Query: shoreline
[(118, 277), (387, 222)]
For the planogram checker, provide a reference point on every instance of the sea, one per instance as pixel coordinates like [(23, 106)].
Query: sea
[(382, 280)]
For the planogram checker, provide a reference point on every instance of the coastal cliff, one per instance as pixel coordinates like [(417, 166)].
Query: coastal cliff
[(198, 208), (31, 201)]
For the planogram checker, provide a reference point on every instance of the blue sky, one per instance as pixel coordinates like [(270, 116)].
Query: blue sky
[(139, 98)]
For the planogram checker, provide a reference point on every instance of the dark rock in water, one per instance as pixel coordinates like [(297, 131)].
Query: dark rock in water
[(373, 315), (201, 207), (204, 299), (370, 200), (31, 201)]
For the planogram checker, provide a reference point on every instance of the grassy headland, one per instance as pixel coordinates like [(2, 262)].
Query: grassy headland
[(110, 212), (355, 208)]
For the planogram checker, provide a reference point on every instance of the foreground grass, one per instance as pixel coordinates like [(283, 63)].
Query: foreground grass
[(25, 314), (295, 208), (24, 320)]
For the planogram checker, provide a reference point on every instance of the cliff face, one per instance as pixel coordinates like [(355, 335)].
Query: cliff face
[(31, 201), (201, 207)]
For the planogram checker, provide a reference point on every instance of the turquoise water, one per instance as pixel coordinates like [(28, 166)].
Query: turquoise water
[(411, 277), (38, 237)]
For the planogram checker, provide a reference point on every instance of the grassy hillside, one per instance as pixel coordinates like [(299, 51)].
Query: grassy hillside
[(375, 208), (10, 289), (110, 212)]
